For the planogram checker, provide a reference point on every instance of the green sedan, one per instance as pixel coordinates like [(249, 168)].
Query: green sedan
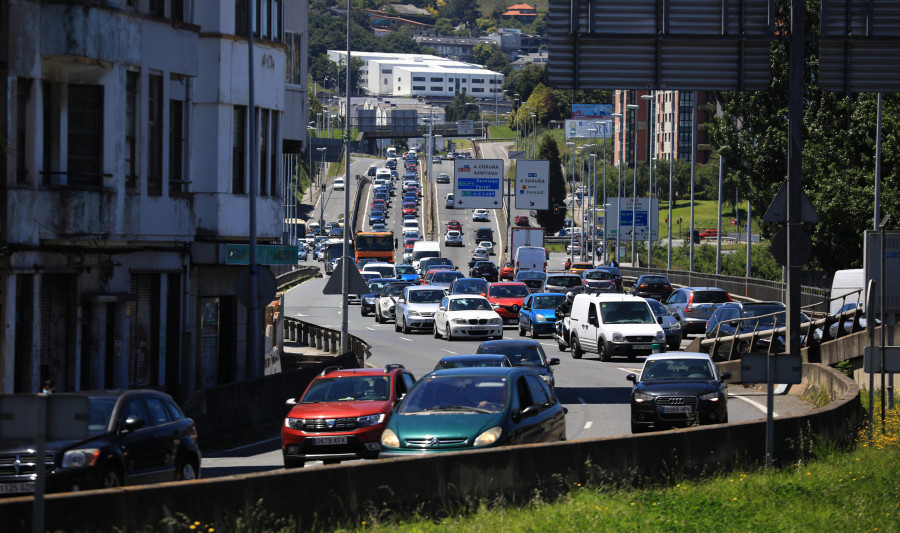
[(465, 408)]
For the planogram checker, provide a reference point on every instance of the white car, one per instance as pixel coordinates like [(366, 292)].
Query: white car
[(410, 224), (453, 238), (436, 160), (467, 316), (416, 307), (387, 301), (487, 245), (481, 215), (443, 177), (384, 270), (338, 184)]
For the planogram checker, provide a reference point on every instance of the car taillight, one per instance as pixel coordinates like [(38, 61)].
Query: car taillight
[(642, 286)]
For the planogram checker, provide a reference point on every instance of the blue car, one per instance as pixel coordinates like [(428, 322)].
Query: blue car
[(406, 273), (376, 217), (538, 313)]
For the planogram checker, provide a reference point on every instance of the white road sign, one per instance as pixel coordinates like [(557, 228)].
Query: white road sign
[(465, 127), (478, 183), (533, 184)]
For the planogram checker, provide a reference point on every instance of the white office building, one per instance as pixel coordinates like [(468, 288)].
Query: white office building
[(414, 75)]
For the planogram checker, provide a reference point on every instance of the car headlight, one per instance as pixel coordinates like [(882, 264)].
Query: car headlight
[(710, 397), (495, 321), (495, 305), (542, 318), (618, 337), (660, 336), (293, 423), (369, 300), (370, 420), (389, 439), (413, 313), (458, 321), (80, 458), (547, 379), (640, 397), (676, 326), (487, 438)]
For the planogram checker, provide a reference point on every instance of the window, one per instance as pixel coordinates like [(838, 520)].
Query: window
[(154, 135), (416, 88), (293, 58), (240, 17), (478, 80), (177, 10), (158, 7), (85, 136), (47, 156), (132, 182), (439, 80), (262, 128), (273, 153), (176, 147), (477, 90), (437, 89), (388, 71), (238, 137), (416, 78), (22, 97)]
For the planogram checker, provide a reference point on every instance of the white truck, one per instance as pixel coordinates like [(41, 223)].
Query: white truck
[(531, 237)]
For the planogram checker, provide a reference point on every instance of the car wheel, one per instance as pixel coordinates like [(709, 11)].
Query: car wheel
[(377, 316), (293, 462), (437, 334), (112, 477), (742, 348), (601, 348), (521, 330), (534, 333), (449, 335), (637, 428), (674, 347), (187, 470), (397, 325), (362, 311), (330, 461), (561, 346), (576, 349), (405, 329), (714, 353)]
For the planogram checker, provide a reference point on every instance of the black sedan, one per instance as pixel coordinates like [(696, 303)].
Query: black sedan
[(133, 437), (677, 390), (652, 286), (523, 352), (484, 269)]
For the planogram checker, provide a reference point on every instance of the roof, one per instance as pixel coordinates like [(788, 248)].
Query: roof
[(510, 342), (677, 355), (520, 6), (347, 372)]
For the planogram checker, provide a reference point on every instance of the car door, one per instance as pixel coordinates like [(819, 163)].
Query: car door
[(525, 314), (138, 443), (440, 316), (526, 427), (587, 336), (166, 437), (550, 418)]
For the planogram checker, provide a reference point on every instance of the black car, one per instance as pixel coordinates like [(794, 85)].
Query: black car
[(485, 269), (134, 437), (377, 217), (652, 286), (523, 352), (737, 318), (470, 361), (677, 390), (433, 261), (468, 286), (369, 299)]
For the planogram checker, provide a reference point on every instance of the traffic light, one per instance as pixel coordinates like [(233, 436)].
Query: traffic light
[(555, 209), (680, 220), (667, 220), (733, 222)]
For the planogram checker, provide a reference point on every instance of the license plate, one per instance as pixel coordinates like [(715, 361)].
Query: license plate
[(325, 441), (675, 409), (510, 321), (641, 347), (25, 487)]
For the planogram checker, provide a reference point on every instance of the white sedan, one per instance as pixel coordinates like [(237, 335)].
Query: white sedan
[(481, 215), (467, 316)]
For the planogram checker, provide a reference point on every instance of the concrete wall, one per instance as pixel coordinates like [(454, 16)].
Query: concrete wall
[(322, 495)]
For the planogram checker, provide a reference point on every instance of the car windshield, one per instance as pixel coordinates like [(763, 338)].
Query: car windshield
[(404, 269), (674, 369), (392, 290), (760, 310), (528, 274), (564, 281), (469, 286), (480, 394), (350, 388), (709, 297), (626, 313), (469, 304), (548, 302), (445, 276), (518, 355), (100, 411), (598, 274), (375, 286), (426, 296), (470, 362), (509, 291)]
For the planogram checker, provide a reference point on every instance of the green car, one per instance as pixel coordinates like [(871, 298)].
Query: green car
[(464, 408)]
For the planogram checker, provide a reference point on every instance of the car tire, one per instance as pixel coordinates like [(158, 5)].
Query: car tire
[(601, 349), (405, 329), (562, 347), (534, 333), (437, 335), (521, 330), (111, 477), (499, 337), (293, 462), (397, 326), (576, 349), (637, 428), (449, 335), (674, 347), (362, 311), (331, 461), (377, 316), (187, 470)]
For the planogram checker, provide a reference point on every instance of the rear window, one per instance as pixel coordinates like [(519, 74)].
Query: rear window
[(564, 281), (710, 297)]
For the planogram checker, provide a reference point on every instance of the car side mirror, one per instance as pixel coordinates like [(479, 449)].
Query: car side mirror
[(531, 410), (724, 375), (401, 301), (593, 321), (133, 423), (290, 402), (632, 378), (554, 361), (442, 308), (733, 323), (659, 320)]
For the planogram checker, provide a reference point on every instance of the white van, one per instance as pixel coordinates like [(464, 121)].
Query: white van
[(383, 173), (530, 258), (449, 202), (424, 249), (850, 283), (614, 324)]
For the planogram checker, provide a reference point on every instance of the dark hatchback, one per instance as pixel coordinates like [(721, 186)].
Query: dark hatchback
[(652, 286), (523, 352), (485, 269), (134, 437), (468, 286), (677, 389)]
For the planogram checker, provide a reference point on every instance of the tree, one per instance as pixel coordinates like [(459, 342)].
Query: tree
[(524, 81), (489, 55), (462, 107), (465, 12), (399, 41), (550, 221), (443, 27)]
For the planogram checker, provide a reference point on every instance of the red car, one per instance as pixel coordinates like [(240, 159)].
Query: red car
[(506, 298), (379, 204), (341, 414), (507, 271), (709, 234), (454, 224), (522, 220), (409, 208)]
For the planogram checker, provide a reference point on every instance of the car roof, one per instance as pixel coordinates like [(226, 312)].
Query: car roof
[(509, 342), (475, 356), (703, 289), (499, 371), (506, 283), (346, 372), (676, 355), (460, 296)]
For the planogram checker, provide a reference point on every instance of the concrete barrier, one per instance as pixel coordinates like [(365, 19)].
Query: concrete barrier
[(325, 495)]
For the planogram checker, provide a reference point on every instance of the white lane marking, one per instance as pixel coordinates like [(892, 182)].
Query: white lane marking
[(548, 344), (758, 405), (300, 314), (587, 425), (371, 329), (581, 400), (630, 370), (405, 339), (448, 351)]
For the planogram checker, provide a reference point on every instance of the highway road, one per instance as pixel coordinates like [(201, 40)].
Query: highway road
[(595, 393)]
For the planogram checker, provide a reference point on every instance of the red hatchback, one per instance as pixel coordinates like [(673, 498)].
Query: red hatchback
[(522, 220), (506, 298), (507, 271), (341, 414), (409, 208), (454, 224)]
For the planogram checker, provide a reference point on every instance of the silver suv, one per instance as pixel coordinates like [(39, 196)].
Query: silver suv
[(692, 306), (416, 307)]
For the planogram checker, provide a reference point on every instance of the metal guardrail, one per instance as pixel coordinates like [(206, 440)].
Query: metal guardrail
[(324, 339)]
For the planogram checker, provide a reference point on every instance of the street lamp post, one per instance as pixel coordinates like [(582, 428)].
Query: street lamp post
[(593, 210), (534, 131), (651, 119), (634, 107), (672, 140), (605, 204), (618, 193), (321, 150), (571, 229)]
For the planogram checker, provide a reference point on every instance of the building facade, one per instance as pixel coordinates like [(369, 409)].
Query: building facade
[(127, 174)]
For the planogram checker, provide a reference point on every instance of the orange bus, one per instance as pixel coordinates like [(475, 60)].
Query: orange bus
[(376, 244)]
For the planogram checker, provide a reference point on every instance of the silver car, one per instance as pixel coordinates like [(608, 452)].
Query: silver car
[(416, 306), (453, 238), (692, 306)]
